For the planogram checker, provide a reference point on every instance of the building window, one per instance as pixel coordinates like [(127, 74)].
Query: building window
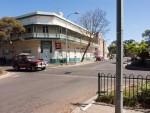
[(6, 52), (46, 44), (29, 30), (45, 29)]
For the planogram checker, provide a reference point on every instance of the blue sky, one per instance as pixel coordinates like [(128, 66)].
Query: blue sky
[(136, 12)]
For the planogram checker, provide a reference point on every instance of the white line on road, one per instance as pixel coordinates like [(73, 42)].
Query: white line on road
[(85, 108)]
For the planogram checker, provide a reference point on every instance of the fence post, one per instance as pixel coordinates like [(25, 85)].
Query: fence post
[(98, 84)]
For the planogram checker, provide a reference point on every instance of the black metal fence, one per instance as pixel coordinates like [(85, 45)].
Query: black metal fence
[(132, 85)]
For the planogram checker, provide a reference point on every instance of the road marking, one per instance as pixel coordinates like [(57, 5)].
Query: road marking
[(86, 107)]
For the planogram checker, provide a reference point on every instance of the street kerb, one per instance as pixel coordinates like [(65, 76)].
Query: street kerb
[(84, 106)]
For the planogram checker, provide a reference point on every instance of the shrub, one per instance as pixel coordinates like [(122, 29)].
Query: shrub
[(110, 99), (141, 99), (144, 98), (130, 101)]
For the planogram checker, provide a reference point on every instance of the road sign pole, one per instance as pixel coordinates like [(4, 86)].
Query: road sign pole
[(119, 59)]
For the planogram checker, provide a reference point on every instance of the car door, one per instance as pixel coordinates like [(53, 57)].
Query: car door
[(24, 63)]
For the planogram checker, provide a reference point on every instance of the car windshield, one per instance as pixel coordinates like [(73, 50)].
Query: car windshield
[(31, 58)]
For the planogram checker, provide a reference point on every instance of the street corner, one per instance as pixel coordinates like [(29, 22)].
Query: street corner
[(4, 74), (83, 107)]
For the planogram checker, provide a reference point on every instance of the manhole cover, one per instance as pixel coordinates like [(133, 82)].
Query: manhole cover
[(67, 72)]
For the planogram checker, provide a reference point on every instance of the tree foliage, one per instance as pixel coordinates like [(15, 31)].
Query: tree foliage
[(136, 49), (93, 21), (142, 51), (114, 42), (131, 48), (125, 45), (10, 28), (112, 49), (146, 35), (128, 41)]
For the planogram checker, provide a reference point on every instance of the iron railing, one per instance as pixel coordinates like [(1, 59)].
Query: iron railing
[(132, 85)]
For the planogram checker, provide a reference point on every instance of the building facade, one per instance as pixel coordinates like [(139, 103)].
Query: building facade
[(52, 37)]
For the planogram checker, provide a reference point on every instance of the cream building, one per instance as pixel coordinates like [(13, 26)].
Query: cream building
[(52, 37)]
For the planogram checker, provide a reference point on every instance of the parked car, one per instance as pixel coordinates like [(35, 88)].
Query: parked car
[(29, 62)]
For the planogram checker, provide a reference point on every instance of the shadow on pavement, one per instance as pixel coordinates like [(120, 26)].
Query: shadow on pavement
[(79, 104), (130, 67), (21, 70)]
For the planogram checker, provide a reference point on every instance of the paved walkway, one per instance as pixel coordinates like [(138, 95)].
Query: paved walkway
[(104, 108), (90, 106), (70, 64)]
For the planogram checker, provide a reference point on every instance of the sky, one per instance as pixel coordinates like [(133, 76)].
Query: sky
[(136, 14)]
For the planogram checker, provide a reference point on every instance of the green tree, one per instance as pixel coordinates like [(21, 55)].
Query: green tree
[(10, 29), (146, 35), (112, 49), (132, 49), (128, 41), (136, 49), (125, 43), (114, 42), (142, 50)]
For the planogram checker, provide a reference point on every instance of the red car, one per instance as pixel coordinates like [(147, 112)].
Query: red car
[(99, 58), (29, 62)]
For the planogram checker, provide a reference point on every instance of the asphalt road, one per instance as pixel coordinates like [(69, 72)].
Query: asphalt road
[(55, 90)]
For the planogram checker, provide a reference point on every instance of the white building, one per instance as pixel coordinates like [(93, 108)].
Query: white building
[(47, 39)]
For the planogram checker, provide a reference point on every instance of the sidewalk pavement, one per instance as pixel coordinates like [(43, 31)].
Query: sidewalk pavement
[(70, 64), (104, 108), (91, 106)]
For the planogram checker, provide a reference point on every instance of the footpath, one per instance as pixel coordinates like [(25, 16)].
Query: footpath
[(98, 107), (70, 64), (104, 108)]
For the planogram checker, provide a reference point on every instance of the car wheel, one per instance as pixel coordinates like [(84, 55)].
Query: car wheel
[(43, 68), (33, 68), (17, 68)]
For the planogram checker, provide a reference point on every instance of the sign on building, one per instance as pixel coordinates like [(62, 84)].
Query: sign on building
[(57, 45)]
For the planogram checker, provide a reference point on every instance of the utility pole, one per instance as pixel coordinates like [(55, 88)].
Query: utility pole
[(119, 59), (67, 35)]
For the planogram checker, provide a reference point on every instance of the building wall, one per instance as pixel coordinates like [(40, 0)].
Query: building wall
[(18, 47), (75, 51), (102, 45), (56, 24)]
